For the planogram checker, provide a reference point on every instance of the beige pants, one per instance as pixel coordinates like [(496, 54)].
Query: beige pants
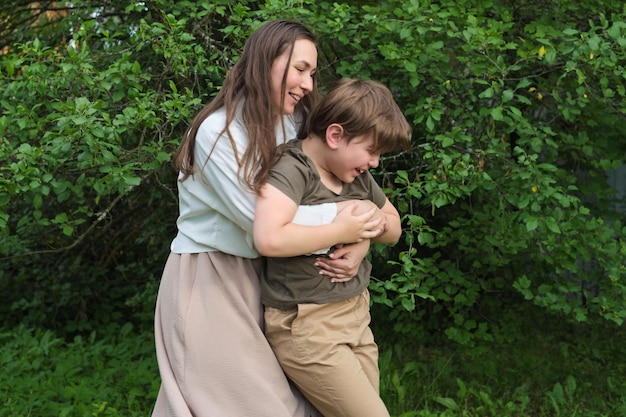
[(328, 351)]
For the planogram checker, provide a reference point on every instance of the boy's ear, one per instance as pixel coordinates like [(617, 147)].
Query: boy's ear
[(334, 133)]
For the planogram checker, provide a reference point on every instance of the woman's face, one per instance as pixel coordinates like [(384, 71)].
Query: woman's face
[(300, 71)]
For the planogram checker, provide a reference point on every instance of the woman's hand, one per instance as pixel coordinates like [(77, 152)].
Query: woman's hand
[(343, 263)]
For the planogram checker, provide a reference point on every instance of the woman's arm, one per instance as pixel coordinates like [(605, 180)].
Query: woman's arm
[(343, 263), (276, 235)]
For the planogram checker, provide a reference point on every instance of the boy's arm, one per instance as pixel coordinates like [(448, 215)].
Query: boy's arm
[(275, 235)]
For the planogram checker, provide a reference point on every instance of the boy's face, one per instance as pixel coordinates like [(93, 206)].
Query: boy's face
[(353, 158)]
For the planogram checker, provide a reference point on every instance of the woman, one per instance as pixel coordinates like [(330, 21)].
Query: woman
[(213, 357)]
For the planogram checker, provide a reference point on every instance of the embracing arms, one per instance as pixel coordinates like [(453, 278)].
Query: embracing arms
[(276, 235)]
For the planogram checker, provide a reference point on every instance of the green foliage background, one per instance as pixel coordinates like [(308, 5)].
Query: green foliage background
[(512, 243), (518, 111)]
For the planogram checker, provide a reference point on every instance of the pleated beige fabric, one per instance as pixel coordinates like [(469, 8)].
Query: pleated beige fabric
[(213, 356)]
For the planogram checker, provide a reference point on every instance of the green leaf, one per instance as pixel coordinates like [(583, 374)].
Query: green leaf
[(424, 238), (37, 201), (408, 303), (447, 402), (507, 95), (496, 113), (487, 93), (10, 67), (132, 181), (523, 283), (552, 225), (532, 223)]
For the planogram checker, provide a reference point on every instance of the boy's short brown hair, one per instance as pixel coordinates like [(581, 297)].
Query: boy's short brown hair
[(362, 107)]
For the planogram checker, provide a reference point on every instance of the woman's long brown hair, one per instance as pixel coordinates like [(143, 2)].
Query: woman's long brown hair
[(249, 85)]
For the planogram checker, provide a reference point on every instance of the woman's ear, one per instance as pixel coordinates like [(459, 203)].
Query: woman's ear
[(334, 133)]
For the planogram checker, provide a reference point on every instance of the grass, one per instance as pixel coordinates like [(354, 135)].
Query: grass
[(108, 374), (555, 369)]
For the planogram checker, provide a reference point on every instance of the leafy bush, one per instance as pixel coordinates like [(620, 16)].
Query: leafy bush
[(518, 111)]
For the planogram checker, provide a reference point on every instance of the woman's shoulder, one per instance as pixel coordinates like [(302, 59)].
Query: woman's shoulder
[(214, 125), (215, 120)]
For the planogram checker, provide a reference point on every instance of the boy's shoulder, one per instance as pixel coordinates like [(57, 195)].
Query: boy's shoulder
[(291, 150), (294, 145)]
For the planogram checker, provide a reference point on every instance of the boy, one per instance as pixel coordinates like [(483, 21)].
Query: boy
[(319, 329)]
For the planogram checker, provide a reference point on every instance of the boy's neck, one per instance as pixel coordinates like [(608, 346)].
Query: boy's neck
[(317, 151)]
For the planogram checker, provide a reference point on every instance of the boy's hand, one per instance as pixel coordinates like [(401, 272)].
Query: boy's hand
[(359, 207), (358, 227)]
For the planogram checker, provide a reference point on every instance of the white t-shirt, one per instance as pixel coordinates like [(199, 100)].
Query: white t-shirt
[(215, 212)]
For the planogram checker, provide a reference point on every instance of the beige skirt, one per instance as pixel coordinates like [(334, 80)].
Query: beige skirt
[(213, 357)]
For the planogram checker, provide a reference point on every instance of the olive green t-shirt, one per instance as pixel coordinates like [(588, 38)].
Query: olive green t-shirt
[(295, 280)]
